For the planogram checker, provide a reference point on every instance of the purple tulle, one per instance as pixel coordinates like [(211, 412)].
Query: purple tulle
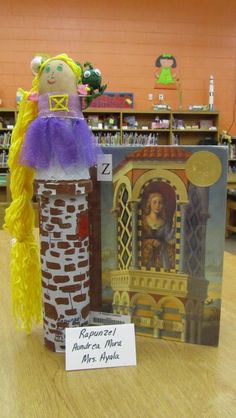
[(66, 141)]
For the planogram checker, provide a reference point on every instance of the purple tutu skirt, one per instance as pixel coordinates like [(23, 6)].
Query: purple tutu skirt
[(64, 141)]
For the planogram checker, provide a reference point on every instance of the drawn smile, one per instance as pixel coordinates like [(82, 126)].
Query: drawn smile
[(51, 81)]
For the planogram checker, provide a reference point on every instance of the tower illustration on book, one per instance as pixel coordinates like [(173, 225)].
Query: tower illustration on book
[(161, 211)]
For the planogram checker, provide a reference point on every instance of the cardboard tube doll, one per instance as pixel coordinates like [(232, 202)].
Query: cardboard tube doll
[(52, 147)]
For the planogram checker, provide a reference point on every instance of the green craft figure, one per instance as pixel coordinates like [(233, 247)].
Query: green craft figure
[(92, 83), (166, 62)]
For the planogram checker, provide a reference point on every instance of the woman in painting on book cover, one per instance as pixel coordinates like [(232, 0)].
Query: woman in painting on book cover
[(158, 234)]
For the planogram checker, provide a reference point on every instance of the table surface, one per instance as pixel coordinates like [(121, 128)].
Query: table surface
[(171, 379)]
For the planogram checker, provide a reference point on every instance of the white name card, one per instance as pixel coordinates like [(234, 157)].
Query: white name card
[(100, 346)]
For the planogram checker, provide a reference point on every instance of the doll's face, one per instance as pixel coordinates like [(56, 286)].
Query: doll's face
[(157, 203), (57, 77), (166, 62)]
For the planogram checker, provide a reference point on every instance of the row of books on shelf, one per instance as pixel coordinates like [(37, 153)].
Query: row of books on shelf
[(105, 122), (129, 139), (202, 124), (133, 138), (129, 122), (5, 140), (3, 159)]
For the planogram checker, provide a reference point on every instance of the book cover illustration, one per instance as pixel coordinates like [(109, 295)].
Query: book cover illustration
[(162, 221)]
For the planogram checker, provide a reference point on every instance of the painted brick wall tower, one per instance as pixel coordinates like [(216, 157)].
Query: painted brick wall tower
[(64, 247)]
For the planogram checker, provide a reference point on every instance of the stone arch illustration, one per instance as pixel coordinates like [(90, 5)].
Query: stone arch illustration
[(171, 300), (124, 303), (124, 223), (116, 302), (124, 182), (165, 175), (170, 180), (163, 257), (139, 303), (137, 296), (171, 312)]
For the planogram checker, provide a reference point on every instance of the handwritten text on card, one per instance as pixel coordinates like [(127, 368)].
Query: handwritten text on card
[(103, 346)]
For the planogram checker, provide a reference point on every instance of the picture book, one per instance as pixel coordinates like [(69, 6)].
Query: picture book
[(157, 239)]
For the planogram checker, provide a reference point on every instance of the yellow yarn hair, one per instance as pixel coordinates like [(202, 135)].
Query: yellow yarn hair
[(63, 57), (19, 219)]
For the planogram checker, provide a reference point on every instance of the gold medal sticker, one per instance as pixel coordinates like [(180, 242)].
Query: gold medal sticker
[(203, 168)]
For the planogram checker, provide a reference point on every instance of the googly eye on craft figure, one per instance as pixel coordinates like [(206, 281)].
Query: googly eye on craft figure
[(87, 73)]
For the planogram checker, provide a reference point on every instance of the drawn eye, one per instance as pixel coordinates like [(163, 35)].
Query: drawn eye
[(87, 73), (97, 72), (48, 69), (59, 67)]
